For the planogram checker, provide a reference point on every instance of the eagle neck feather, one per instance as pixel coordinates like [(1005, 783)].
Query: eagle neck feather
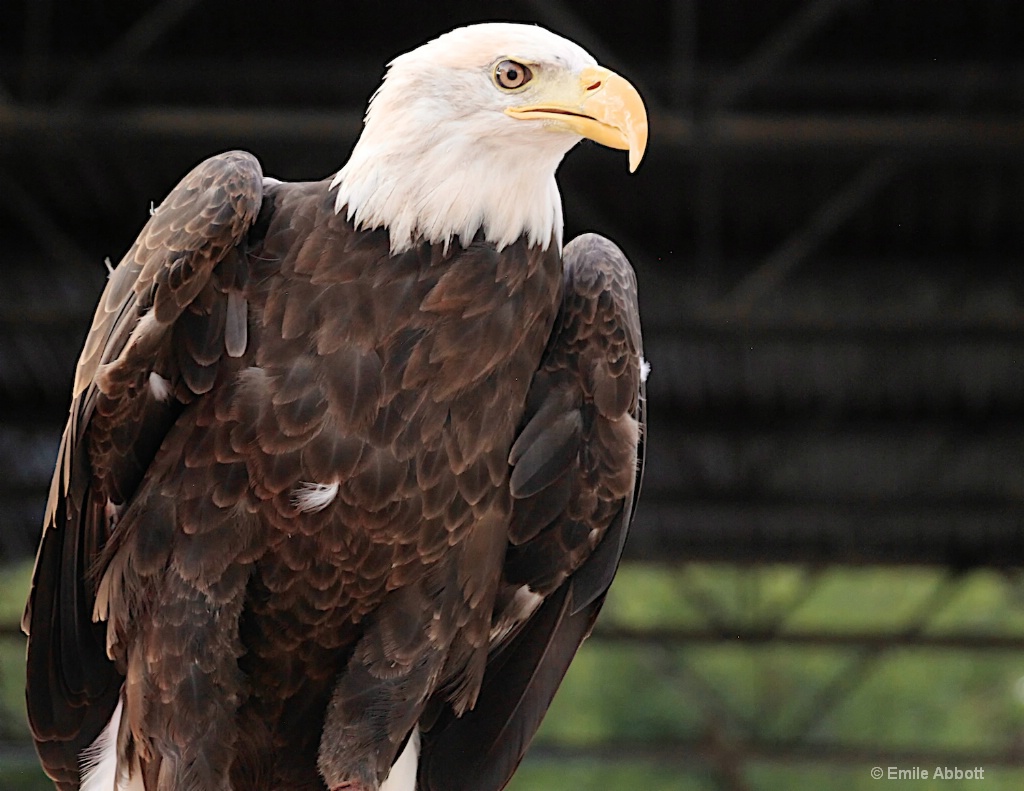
[(449, 196)]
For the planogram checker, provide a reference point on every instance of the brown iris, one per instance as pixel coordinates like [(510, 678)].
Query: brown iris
[(510, 75)]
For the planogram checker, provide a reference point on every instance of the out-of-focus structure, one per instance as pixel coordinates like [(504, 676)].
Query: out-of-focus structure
[(828, 231)]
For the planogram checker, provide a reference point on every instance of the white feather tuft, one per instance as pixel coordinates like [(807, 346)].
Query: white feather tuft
[(312, 497), (645, 369), (159, 387), (99, 759), (523, 605), (99, 762), (402, 776)]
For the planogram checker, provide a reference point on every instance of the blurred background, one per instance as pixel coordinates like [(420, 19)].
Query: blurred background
[(825, 571)]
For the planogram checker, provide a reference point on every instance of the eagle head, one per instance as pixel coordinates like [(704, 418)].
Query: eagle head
[(466, 132)]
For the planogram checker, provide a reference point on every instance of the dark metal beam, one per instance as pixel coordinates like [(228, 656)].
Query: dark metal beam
[(923, 136), (992, 138), (680, 754), (744, 636), (331, 82), (877, 373), (775, 49), (22, 125), (956, 536)]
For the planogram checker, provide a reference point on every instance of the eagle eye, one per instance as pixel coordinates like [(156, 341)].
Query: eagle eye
[(510, 75)]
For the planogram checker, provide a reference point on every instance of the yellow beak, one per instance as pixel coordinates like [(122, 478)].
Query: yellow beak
[(601, 106)]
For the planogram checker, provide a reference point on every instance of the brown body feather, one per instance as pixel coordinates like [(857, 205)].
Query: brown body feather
[(475, 416)]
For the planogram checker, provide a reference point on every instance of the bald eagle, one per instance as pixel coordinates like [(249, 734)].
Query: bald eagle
[(350, 463)]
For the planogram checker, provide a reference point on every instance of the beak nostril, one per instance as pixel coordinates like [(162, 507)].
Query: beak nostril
[(595, 86)]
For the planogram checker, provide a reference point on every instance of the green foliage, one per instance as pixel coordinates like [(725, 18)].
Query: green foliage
[(590, 776), (14, 584), (697, 716), (23, 774), (722, 701)]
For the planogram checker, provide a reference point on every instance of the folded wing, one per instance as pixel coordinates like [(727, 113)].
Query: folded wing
[(172, 310), (576, 470)]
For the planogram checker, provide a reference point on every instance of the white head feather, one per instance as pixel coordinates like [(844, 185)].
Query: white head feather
[(439, 159)]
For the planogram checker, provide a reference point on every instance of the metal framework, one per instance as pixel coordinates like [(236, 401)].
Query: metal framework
[(827, 234)]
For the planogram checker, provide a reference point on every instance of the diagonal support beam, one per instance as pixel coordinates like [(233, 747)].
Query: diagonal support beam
[(866, 661), (775, 50), (811, 581), (146, 32), (50, 237), (688, 681), (778, 266)]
